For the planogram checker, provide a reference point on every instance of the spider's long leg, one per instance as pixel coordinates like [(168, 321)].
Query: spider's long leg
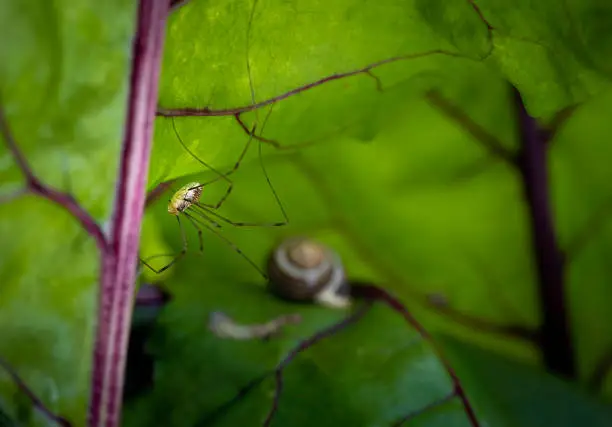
[(252, 132), (203, 210), (230, 186), (204, 216), (191, 220), (263, 126), (223, 176), (210, 208), (228, 242), (202, 162), (232, 170), (176, 256), (263, 168)]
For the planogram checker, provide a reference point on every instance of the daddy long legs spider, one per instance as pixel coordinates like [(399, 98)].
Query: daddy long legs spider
[(186, 202)]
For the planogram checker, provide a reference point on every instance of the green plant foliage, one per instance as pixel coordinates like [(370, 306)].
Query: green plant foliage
[(404, 192), (421, 177), (63, 86), (512, 394), (384, 164)]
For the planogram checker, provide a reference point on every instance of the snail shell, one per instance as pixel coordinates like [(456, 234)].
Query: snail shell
[(301, 269)]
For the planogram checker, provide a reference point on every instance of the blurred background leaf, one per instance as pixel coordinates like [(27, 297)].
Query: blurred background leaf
[(508, 393), (407, 195), (409, 198)]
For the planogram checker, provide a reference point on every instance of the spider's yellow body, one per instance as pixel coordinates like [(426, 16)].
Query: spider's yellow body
[(184, 198)]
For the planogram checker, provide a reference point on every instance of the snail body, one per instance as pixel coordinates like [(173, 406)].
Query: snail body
[(301, 269)]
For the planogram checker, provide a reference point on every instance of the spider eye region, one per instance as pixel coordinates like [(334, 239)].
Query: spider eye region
[(184, 198)]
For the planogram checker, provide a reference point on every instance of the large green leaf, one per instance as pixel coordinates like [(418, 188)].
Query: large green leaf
[(559, 61), (63, 82), (422, 208), (405, 193), (378, 359)]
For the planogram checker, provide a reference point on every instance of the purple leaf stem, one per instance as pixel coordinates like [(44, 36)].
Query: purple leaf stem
[(555, 336), (119, 261)]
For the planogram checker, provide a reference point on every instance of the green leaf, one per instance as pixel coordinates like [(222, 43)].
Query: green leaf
[(290, 45), (378, 359), (507, 393), (405, 192), (63, 84), (422, 207), (581, 195), (553, 53)]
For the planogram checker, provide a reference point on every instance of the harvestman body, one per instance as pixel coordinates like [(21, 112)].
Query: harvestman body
[(184, 198)]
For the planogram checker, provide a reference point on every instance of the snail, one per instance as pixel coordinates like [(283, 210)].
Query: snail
[(300, 269)]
